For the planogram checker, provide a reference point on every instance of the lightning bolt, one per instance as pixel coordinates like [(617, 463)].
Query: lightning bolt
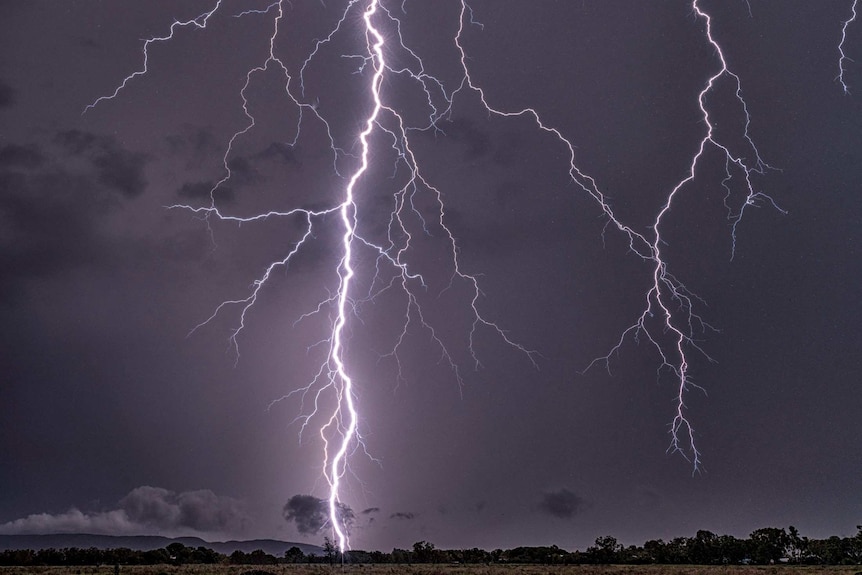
[(339, 430), (668, 298), (668, 321), (842, 56), (668, 304)]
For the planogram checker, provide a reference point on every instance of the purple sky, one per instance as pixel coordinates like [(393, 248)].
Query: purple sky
[(113, 420)]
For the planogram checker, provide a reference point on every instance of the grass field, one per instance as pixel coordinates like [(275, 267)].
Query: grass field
[(437, 570)]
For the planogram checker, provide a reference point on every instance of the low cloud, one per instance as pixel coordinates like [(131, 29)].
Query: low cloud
[(144, 510), (201, 510), (403, 515), (72, 521), (311, 514), (562, 504)]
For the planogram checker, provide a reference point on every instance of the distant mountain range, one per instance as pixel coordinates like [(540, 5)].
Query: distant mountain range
[(147, 542)]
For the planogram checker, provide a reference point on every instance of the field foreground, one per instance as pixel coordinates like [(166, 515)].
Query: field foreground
[(438, 570)]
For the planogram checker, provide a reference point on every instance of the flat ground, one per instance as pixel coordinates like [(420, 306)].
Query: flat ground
[(436, 570)]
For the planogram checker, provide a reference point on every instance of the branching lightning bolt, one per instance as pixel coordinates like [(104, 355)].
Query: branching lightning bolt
[(339, 430), (668, 321), (667, 298)]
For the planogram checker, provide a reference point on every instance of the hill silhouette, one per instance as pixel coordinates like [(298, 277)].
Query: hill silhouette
[(147, 543)]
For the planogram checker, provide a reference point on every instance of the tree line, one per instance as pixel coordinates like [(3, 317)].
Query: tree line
[(764, 546)]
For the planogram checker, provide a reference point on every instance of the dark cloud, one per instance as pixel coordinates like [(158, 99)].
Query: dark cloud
[(54, 203), (370, 510), (122, 170), (7, 95), (115, 167), (144, 510), (563, 503), (403, 515), (311, 514), (201, 510)]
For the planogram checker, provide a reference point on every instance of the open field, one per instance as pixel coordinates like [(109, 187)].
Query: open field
[(438, 570)]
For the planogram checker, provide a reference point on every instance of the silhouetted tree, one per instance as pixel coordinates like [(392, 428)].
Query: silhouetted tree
[(605, 551), (260, 557), (656, 551), (330, 550), (294, 555), (400, 556), (768, 545), (238, 558), (424, 552)]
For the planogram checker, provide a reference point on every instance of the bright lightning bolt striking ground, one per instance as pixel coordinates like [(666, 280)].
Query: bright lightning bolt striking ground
[(668, 320)]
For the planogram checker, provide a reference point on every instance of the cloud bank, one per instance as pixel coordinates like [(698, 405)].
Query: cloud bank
[(145, 510)]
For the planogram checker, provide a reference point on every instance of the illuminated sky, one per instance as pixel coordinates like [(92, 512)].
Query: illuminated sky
[(113, 420)]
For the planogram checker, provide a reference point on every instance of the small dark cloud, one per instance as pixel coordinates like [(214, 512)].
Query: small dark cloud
[(370, 510), (480, 506), (403, 515), (311, 514), (116, 167), (562, 504), (122, 170), (7, 95)]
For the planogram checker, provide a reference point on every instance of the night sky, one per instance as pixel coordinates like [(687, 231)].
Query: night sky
[(113, 419)]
